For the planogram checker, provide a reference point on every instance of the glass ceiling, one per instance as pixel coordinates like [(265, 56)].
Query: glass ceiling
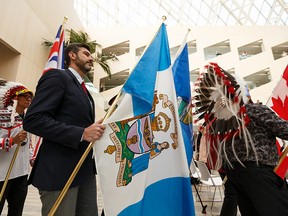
[(136, 13)]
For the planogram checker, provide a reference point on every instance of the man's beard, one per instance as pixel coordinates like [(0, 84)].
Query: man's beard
[(82, 65)]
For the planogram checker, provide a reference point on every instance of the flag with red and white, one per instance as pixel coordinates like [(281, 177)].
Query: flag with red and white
[(279, 103), (56, 56), (55, 60)]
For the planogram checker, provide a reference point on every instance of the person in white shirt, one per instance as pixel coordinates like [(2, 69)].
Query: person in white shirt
[(14, 99)]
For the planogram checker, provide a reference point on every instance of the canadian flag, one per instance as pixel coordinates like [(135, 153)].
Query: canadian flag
[(279, 103)]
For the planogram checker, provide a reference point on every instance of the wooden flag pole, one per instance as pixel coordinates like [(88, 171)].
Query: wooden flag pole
[(70, 180), (83, 157), (282, 157), (9, 170)]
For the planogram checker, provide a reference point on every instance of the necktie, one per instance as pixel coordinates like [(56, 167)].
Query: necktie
[(84, 87)]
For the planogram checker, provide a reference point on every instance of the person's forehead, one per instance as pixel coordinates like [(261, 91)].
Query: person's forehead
[(27, 93), (83, 49)]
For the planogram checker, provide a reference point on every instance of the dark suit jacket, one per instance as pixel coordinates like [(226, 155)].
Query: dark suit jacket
[(59, 113)]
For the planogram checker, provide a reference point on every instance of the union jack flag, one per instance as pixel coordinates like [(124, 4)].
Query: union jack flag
[(55, 60), (56, 56)]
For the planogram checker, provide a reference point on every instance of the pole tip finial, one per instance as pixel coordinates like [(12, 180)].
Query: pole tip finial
[(65, 18), (164, 18)]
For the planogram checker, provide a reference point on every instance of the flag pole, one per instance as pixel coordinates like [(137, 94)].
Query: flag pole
[(182, 44), (9, 170), (63, 26), (64, 22), (112, 107), (88, 149), (67, 185), (70, 180), (282, 157)]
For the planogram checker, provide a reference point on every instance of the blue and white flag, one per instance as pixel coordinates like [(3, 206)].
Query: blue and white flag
[(138, 90), (183, 91), (141, 159)]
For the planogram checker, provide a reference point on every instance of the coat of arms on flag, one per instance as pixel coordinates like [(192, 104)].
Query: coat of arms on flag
[(133, 140), (135, 137), (141, 158)]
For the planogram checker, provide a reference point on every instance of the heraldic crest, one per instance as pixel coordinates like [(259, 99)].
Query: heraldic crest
[(134, 140)]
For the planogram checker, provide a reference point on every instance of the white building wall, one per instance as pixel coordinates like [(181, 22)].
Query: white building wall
[(207, 36), (24, 24)]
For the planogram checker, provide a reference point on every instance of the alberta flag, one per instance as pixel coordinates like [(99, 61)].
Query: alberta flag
[(56, 56), (141, 159), (279, 103), (183, 91)]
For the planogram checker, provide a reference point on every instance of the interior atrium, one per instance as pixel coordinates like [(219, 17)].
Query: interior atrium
[(223, 16)]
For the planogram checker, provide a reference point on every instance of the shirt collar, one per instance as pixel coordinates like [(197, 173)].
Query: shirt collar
[(76, 74)]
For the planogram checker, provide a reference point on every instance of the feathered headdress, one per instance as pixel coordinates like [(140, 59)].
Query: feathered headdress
[(219, 101), (9, 90)]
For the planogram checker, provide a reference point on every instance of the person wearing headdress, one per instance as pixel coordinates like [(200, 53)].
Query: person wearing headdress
[(14, 99), (242, 140)]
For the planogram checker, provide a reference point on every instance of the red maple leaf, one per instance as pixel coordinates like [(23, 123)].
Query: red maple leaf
[(280, 107), (285, 75)]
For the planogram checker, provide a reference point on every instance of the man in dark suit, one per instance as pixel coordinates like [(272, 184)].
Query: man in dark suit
[(62, 112)]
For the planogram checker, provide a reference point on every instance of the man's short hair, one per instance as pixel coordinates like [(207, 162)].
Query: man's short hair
[(73, 47)]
